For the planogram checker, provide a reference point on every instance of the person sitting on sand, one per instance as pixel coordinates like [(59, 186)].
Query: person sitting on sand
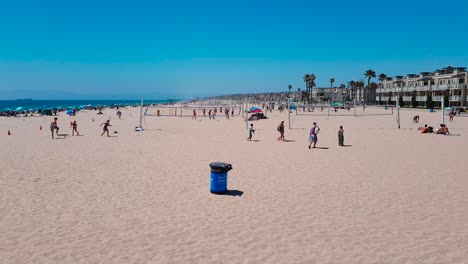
[(416, 119), (106, 127), (280, 129), (74, 125), (54, 127), (422, 128), (313, 134), (426, 129), (443, 130)]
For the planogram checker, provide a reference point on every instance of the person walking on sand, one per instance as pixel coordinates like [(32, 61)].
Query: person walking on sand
[(341, 137), (106, 127), (251, 131), (313, 134), (280, 129), (74, 126), (194, 115), (119, 114), (54, 127)]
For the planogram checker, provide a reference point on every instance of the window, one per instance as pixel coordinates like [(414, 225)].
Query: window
[(461, 80)]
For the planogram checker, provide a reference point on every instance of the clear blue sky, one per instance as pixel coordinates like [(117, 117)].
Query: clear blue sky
[(182, 49)]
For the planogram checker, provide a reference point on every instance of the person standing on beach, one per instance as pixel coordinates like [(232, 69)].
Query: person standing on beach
[(251, 131), (106, 127), (74, 126), (54, 127), (204, 112), (119, 114), (313, 134), (194, 115), (341, 137), (280, 129)]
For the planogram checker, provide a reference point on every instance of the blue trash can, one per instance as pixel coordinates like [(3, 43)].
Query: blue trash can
[(431, 110), (219, 176), (385, 107)]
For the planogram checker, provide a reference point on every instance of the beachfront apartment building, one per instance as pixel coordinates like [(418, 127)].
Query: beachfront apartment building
[(448, 84), (333, 94)]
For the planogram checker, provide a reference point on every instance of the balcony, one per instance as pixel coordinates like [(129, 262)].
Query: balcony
[(407, 98), (456, 98), (437, 98), (423, 88), (421, 98), (394, 98), (440, 87)]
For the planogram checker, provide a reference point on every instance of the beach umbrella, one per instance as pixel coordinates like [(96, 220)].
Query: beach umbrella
[(256, 111), (69, 112), (19, 108), (448, 108), (293, 107), (253, 108)]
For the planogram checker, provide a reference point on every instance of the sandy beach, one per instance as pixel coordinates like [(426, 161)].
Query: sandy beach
[(392, 196)]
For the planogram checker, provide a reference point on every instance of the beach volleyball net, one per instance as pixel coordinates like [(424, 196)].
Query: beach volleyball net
[(343, 110), (187, 110)]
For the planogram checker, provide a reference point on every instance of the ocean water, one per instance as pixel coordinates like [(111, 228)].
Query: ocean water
[(6, 105)]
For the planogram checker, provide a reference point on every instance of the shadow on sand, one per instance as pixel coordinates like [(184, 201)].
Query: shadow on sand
[(231, 193), (289, 140)]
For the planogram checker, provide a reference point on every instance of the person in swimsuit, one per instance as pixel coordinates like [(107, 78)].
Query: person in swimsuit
[(443, 130), (74, 125), (313, 134), (280, 129), (416, 119), (54, 127), (106, 127), (194, 114)]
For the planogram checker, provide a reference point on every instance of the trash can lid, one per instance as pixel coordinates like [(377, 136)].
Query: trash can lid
[(220, 167)]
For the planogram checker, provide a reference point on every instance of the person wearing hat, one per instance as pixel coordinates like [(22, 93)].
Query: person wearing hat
[(280, 129)]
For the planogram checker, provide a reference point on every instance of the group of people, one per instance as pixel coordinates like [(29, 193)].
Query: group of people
[(443, 130), (313, 134), (54, 128)]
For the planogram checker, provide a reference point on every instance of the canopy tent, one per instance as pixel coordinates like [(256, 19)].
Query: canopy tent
[(337, 104), (256, 111)]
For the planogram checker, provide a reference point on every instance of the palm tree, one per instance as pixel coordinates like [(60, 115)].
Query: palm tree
[(352, 86), (382, 78), (311, 84), (306, 80), (369, 75)]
